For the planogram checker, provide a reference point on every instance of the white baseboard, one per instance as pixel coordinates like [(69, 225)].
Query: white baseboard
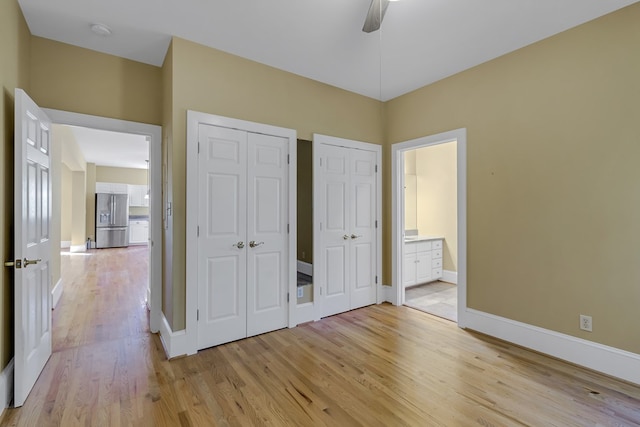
[(450, 276), (77, 248), (56, 293), (386, 294), (6, 386), (305, 313), (174, 343), (65, 244), (305, 268), (608, 360)]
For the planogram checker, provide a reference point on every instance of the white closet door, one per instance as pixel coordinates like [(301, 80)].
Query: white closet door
[(362, 212), (334, 202), (222, 260), (267, 250)]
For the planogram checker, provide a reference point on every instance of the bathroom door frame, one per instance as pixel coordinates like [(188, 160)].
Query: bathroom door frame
[(397, 213)]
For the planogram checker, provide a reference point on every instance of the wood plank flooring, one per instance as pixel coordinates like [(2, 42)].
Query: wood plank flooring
[(377, 366)]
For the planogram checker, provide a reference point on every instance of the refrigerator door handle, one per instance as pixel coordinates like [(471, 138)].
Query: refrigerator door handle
[(113, 210)]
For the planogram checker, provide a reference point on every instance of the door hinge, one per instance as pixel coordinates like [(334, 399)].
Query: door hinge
[(287, 228), (288, 158), (287, 296), (198, 315), (376, 168), (376, 280), (376, 223), (320, 161), (198, 147)]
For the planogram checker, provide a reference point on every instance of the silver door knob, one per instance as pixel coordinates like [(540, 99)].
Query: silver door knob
[(26, 262), (254, 244), (239, 245), (353, 236), (345, 237)]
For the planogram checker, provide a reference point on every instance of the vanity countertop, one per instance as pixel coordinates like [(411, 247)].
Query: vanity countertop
[(422, 238)]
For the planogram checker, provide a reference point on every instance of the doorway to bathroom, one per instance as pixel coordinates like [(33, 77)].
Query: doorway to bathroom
[(429, 231)]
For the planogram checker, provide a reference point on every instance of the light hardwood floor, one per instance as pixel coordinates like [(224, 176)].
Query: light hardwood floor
[(377, 366)]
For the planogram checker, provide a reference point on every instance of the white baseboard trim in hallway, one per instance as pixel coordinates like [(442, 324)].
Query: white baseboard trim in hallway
[(608, 360), (77, 248), (65, 244), (174, 343), (6, 386)]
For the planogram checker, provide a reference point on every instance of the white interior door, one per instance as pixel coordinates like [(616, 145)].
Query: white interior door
[(334, 202), (267, 212), (348, 234), (222, 241), (32, 199), (363, 227)]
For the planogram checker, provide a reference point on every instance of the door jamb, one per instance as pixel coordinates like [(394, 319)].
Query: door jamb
[(397, 212), (154, 136), (318, 264), (194, 119)]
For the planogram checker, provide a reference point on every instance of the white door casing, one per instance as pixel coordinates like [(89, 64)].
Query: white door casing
[(243, 243), (32, 249), (346, 214)]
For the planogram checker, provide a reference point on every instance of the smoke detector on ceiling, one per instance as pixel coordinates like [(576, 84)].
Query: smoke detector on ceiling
[(101, 29)]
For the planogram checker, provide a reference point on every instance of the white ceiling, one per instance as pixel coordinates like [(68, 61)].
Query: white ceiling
[(107, 148), (421, 41)]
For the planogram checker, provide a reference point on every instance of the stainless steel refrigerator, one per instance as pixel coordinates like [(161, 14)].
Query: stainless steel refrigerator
[(112, 220)]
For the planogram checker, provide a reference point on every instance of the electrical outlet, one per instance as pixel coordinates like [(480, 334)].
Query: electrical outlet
[(300, 292), (586, 323)]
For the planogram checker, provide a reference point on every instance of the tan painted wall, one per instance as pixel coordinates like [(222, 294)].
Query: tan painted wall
[(410, 191), (70, 78), (90, 199), (167, 185), (305, 201), (212, 81), (14, 72), (121, 175), (66, 202), (78, 208), (436, 198), (553, 200)]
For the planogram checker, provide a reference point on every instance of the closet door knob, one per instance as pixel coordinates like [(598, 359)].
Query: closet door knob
[(254, 244), (239, 245), (345, 237), (353, 236)]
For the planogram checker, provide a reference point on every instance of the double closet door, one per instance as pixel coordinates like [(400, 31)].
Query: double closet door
[(348, 231), (242, 237)]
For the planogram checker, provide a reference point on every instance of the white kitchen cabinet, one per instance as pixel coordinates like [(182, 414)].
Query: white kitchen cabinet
[(111, 187), (138, 232), (137, 195), (422, 261)]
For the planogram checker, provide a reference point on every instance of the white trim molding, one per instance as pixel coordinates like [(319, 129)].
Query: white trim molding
[(77, 248), (305, 268), (56, 293), (65, 244), (6, 386), (386, 293), (175, 343), (598, 357), (154, 137), (397, 211), (450, 276)]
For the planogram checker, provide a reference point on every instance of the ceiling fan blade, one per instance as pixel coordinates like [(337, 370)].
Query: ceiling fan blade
[(375, 15)]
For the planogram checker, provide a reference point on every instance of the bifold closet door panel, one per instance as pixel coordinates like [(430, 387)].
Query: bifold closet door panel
[(222, 263), (267, 248)]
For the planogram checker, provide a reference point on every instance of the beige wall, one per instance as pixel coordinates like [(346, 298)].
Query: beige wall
[(14, 72), (553, 200), (167, 185), (66, 202), (437, 198), (410, 191), (305, 201), (70, 78), (121, 175), (78, 208), (215, 82), (90, 199)]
